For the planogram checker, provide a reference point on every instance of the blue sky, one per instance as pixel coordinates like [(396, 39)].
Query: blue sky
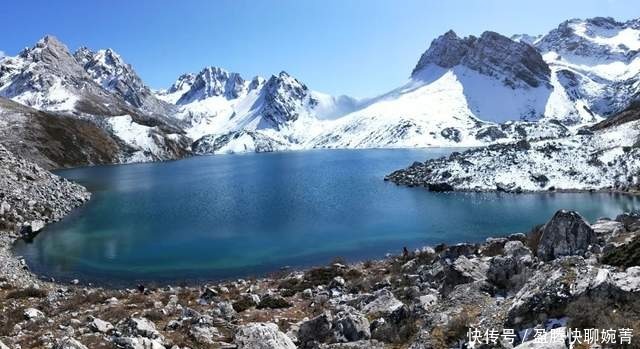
[(356, 47)]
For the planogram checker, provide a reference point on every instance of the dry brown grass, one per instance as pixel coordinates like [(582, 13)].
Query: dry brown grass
[(26, 293), (458, 327), (533, 238), (9, 317)]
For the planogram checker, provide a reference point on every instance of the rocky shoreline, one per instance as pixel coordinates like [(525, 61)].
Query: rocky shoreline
[(566, 273), (604, 157)]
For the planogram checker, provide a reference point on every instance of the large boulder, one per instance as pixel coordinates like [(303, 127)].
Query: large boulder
[(395, 327), (350, 326), (567, 233), (511, 270), (139, 326), (262, 336), (383, 304), (316, 330)]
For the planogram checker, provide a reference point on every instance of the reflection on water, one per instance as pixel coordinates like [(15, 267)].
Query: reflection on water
[(228, 216)]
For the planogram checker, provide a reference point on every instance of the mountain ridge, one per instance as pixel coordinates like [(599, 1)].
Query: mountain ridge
[(468, 91)]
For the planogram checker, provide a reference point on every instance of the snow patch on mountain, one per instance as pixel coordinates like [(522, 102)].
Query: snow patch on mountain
[(606, 158), (146, 143)]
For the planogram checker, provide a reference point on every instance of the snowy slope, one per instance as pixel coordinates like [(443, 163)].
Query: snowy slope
[(451, 97)]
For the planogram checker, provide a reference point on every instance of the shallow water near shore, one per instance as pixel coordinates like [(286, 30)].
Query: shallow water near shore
[(228, 216)]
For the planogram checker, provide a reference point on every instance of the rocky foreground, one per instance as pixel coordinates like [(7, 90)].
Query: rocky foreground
[(564, 274)]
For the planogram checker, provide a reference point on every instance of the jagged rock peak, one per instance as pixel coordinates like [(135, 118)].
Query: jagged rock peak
[(183, 82), (284, 95), (106, 65), (53, 53), (283, 82), (445, 51), (517, 64), (107, 68), (83, 55), (214, 81)]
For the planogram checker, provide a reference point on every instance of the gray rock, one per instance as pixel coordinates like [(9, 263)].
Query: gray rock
[(67, 343), (364, 344), (141, 327), (224, 310), (137, 343), (262, 336), (516, 249), (273, 301), (428, 300), (208, 295), (463, 270), (33, 314), (384, 303), (349, 326), (316, 330), (98, 325), (3, 346), (509, 272), (567, 233), (204, 334), (396, 327), (607, 227)]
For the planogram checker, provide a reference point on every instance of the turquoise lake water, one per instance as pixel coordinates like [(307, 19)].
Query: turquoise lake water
[(228, 216)]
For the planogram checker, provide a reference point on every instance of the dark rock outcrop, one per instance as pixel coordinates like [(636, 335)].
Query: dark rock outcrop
[(567, 233)]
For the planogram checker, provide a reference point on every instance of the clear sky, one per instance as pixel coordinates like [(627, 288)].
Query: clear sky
[(356, 47)]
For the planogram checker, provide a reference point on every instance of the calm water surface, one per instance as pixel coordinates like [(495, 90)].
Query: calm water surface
[(228, 216)]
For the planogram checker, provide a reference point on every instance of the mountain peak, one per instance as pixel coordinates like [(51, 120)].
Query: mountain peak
[(445, 51), (491, 54), (212, 81), (53, 55)]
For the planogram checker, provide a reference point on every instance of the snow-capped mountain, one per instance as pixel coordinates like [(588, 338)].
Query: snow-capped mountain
[(46, 76), (597, 63), (577, 74), (451, 97), (463, 91), (225, 112), (99, 88), (108, 69)]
